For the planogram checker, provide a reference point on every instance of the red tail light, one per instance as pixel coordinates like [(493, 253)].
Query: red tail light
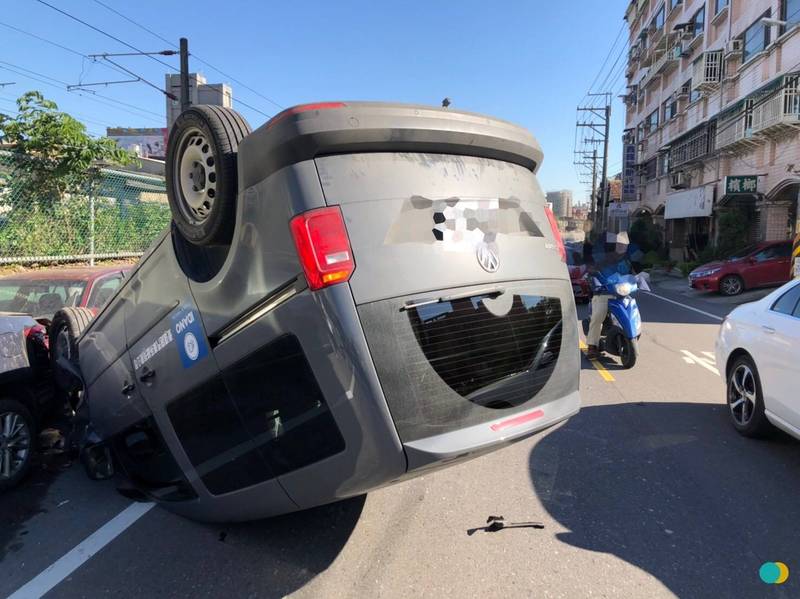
[(323, 247), (556, 233), (302, 108)]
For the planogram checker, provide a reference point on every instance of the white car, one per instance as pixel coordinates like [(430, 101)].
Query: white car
[(758, 349)]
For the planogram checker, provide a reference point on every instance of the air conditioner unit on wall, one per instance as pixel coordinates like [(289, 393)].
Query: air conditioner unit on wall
[(734, 47), (680, 180)]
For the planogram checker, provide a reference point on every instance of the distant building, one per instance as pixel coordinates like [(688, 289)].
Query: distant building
[(562, 202), (200, 92), (147, 142)]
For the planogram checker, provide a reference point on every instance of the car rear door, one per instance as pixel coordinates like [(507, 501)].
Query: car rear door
[(764, 267), (462, 293), (777, 358)]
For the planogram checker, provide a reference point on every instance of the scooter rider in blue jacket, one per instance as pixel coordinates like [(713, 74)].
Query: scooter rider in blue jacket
[(603, 261)]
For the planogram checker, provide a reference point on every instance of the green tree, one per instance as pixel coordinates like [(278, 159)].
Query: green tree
[(55, 154), (732, 226), (646, 234)]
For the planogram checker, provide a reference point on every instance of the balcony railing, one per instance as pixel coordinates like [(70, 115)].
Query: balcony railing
[(780, 111), (736, 132), (694, 147), (664, 63)]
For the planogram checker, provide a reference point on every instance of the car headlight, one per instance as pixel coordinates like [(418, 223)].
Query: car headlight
[(706, 273), (623, 289)]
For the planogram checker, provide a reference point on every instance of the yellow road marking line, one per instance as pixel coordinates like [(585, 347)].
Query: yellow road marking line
[(607, 376)]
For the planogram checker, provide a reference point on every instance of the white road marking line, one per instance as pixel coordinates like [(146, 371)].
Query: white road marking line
[(81, 553), (666, 299), (704, 362), (710, 356)]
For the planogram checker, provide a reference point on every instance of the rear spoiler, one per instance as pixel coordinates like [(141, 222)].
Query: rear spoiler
[(307, 131)]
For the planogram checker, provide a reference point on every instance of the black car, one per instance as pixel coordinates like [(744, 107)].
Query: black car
[(26, 393)]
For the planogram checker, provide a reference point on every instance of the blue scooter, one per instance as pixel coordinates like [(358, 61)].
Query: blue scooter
[(623, 325)]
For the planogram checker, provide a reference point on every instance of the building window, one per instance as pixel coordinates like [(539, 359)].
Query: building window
[(719, 5), (651, 124), (755, 38), (791, 12), (694, 94), (658, 21), (674, 3), (698, 21), (663, 164), (650, 170), (670, 109)]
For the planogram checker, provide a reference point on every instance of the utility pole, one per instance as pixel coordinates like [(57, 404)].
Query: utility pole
[(604, 207), (597, 119), (184, 51), (594, 183)]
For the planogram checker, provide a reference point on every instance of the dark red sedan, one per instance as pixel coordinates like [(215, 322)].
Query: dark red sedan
[(759, 265), (41, 293)]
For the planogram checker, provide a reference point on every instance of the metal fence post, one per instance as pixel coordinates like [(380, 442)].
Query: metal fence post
[(91, 229)]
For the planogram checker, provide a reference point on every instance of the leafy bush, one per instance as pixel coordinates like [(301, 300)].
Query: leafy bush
[(645, 234), (732, 226), (64, 228)]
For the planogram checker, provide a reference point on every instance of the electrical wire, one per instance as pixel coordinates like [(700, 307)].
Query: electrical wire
[(108, 35), (55, 83), (605, 62), (197, 58)]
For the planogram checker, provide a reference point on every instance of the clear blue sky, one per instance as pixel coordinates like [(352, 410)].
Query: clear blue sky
[(530, 62)]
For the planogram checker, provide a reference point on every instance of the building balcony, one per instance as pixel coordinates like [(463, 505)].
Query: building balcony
[(735, 134), (707, 71), (664, 61), (695, 146), (779, 112)]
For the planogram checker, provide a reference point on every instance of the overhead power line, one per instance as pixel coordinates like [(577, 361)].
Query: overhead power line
[(105, 33), (605, 62), (58, 84), (197, 58)]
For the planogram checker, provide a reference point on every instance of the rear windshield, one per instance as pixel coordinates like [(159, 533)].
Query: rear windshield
[(39, 298), (454, 363)]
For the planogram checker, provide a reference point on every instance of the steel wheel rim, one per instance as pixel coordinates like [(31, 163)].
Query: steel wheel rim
[(732, 286), (15, 444), (196, 176), (742, 395)]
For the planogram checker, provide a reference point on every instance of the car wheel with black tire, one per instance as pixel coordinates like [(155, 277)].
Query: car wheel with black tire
[(201, 172), (17, 441), (746, 400), (66, 328), (731, 285)]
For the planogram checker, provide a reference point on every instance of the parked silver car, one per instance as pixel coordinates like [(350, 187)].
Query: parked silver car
[(351, 295)]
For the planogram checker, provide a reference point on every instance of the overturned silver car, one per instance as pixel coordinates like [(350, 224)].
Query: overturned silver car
[(351, 295)]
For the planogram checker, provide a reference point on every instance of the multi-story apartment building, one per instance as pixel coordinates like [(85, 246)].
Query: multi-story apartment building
[(713, 117), (562, 202)]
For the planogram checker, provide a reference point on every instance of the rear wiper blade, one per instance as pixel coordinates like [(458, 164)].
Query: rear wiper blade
[(491, 292)]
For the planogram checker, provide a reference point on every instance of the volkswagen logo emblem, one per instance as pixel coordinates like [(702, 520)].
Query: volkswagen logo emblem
[(488, 257)]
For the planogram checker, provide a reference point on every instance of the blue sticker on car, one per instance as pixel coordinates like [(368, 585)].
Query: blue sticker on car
[(189, 336)]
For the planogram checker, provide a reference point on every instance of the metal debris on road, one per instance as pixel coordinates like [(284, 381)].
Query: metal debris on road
[(496, 523)]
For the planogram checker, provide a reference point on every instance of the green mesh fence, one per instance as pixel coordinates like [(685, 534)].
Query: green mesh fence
[(111, 214)]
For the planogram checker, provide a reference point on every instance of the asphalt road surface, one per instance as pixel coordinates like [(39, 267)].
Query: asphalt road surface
[(648, 492)]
